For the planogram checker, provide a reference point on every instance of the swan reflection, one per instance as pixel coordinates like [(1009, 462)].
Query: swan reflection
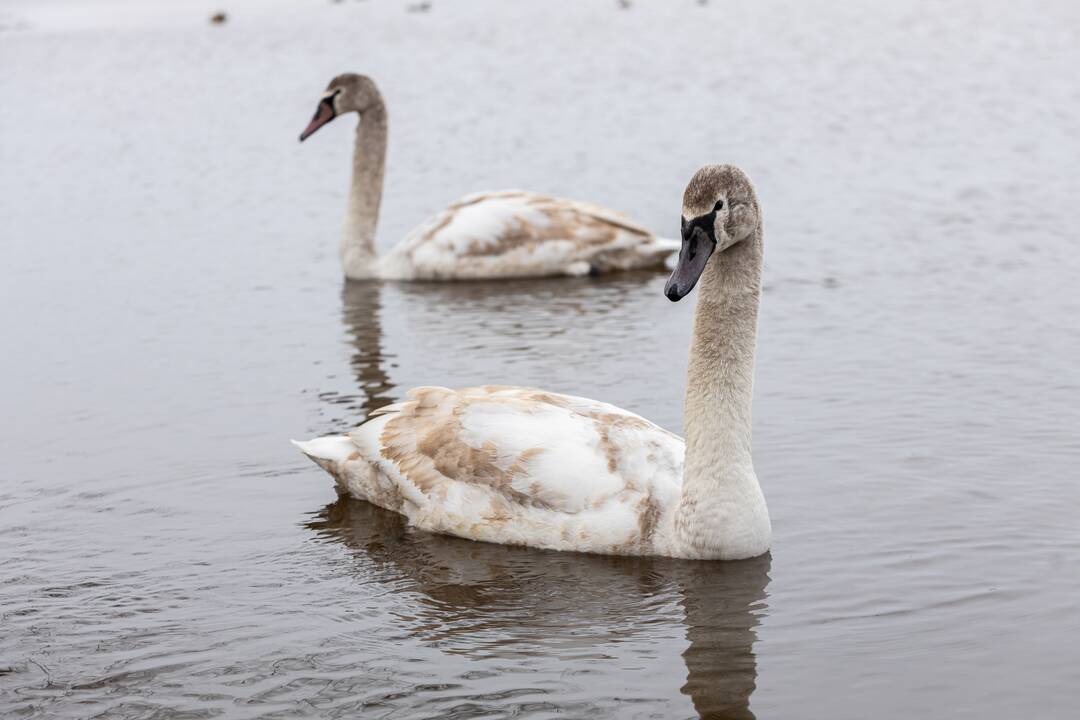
[(361, 312), (523, 332), (481, 600)]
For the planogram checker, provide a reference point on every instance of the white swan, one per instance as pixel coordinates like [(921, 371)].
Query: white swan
[(504, 234), (523, 466)]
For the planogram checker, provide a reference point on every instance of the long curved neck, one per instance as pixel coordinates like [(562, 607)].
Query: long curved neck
[(362, 214), (722, 512)]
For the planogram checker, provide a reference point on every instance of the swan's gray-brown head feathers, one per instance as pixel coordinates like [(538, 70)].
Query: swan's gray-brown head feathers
[(719, 209), (348, 92)]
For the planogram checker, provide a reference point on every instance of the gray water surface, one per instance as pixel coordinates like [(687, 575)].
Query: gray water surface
[(173, 312)]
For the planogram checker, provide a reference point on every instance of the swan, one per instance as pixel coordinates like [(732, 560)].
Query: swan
[(505, 234), (522, 466)]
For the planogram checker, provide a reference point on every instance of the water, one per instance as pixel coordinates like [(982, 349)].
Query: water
[(172, 313)]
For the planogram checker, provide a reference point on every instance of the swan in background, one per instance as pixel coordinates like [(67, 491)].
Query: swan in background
[(525, 467), (505, 234)]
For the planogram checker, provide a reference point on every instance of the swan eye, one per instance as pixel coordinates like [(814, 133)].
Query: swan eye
[(718, 206)]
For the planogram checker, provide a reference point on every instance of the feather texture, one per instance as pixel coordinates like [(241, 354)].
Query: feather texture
[(516, 466), (514, 233)]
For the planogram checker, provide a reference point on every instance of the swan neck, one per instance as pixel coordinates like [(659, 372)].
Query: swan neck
[(365, 194), (722, 512), (720, 380)]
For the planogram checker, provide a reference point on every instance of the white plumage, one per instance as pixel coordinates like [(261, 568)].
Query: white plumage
[(516, 466), (514, 233)]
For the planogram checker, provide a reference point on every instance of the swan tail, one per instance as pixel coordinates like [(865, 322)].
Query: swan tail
[(353, 474), (330, 452)]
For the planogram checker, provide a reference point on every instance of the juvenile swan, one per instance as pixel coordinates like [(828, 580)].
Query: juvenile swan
[(504, 234), (527, 467)]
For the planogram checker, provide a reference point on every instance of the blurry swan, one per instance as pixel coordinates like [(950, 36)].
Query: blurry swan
[(526, 467), (503, 234)]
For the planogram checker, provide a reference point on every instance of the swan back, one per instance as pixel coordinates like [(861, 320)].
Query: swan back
[(513, 233)]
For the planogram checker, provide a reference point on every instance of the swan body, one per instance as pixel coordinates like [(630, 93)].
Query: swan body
[(515, 466), (526, 467), (491, 235), (514, 233)]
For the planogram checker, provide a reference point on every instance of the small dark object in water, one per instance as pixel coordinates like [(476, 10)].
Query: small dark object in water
[(625, 4), (219, 18), (420, 6)]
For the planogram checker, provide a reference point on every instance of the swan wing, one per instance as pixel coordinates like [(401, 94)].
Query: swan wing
[(514, 233), (520, 466)]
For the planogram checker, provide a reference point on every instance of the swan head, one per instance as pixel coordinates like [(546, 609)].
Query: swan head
[(719, 210), (345, 93)]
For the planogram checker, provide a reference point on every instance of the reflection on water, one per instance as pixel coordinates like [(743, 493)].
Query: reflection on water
[(479, 599), (361, 314), (545, 332)]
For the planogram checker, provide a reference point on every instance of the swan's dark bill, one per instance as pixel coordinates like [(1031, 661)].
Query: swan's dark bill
[(698, 244), (323, 114)]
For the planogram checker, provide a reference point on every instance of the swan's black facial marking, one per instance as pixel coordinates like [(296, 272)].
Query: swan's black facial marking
[(706, 222), (324, 113), (698, 245)]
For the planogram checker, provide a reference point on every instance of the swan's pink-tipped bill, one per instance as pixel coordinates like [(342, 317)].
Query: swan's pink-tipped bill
[(323, 114)]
